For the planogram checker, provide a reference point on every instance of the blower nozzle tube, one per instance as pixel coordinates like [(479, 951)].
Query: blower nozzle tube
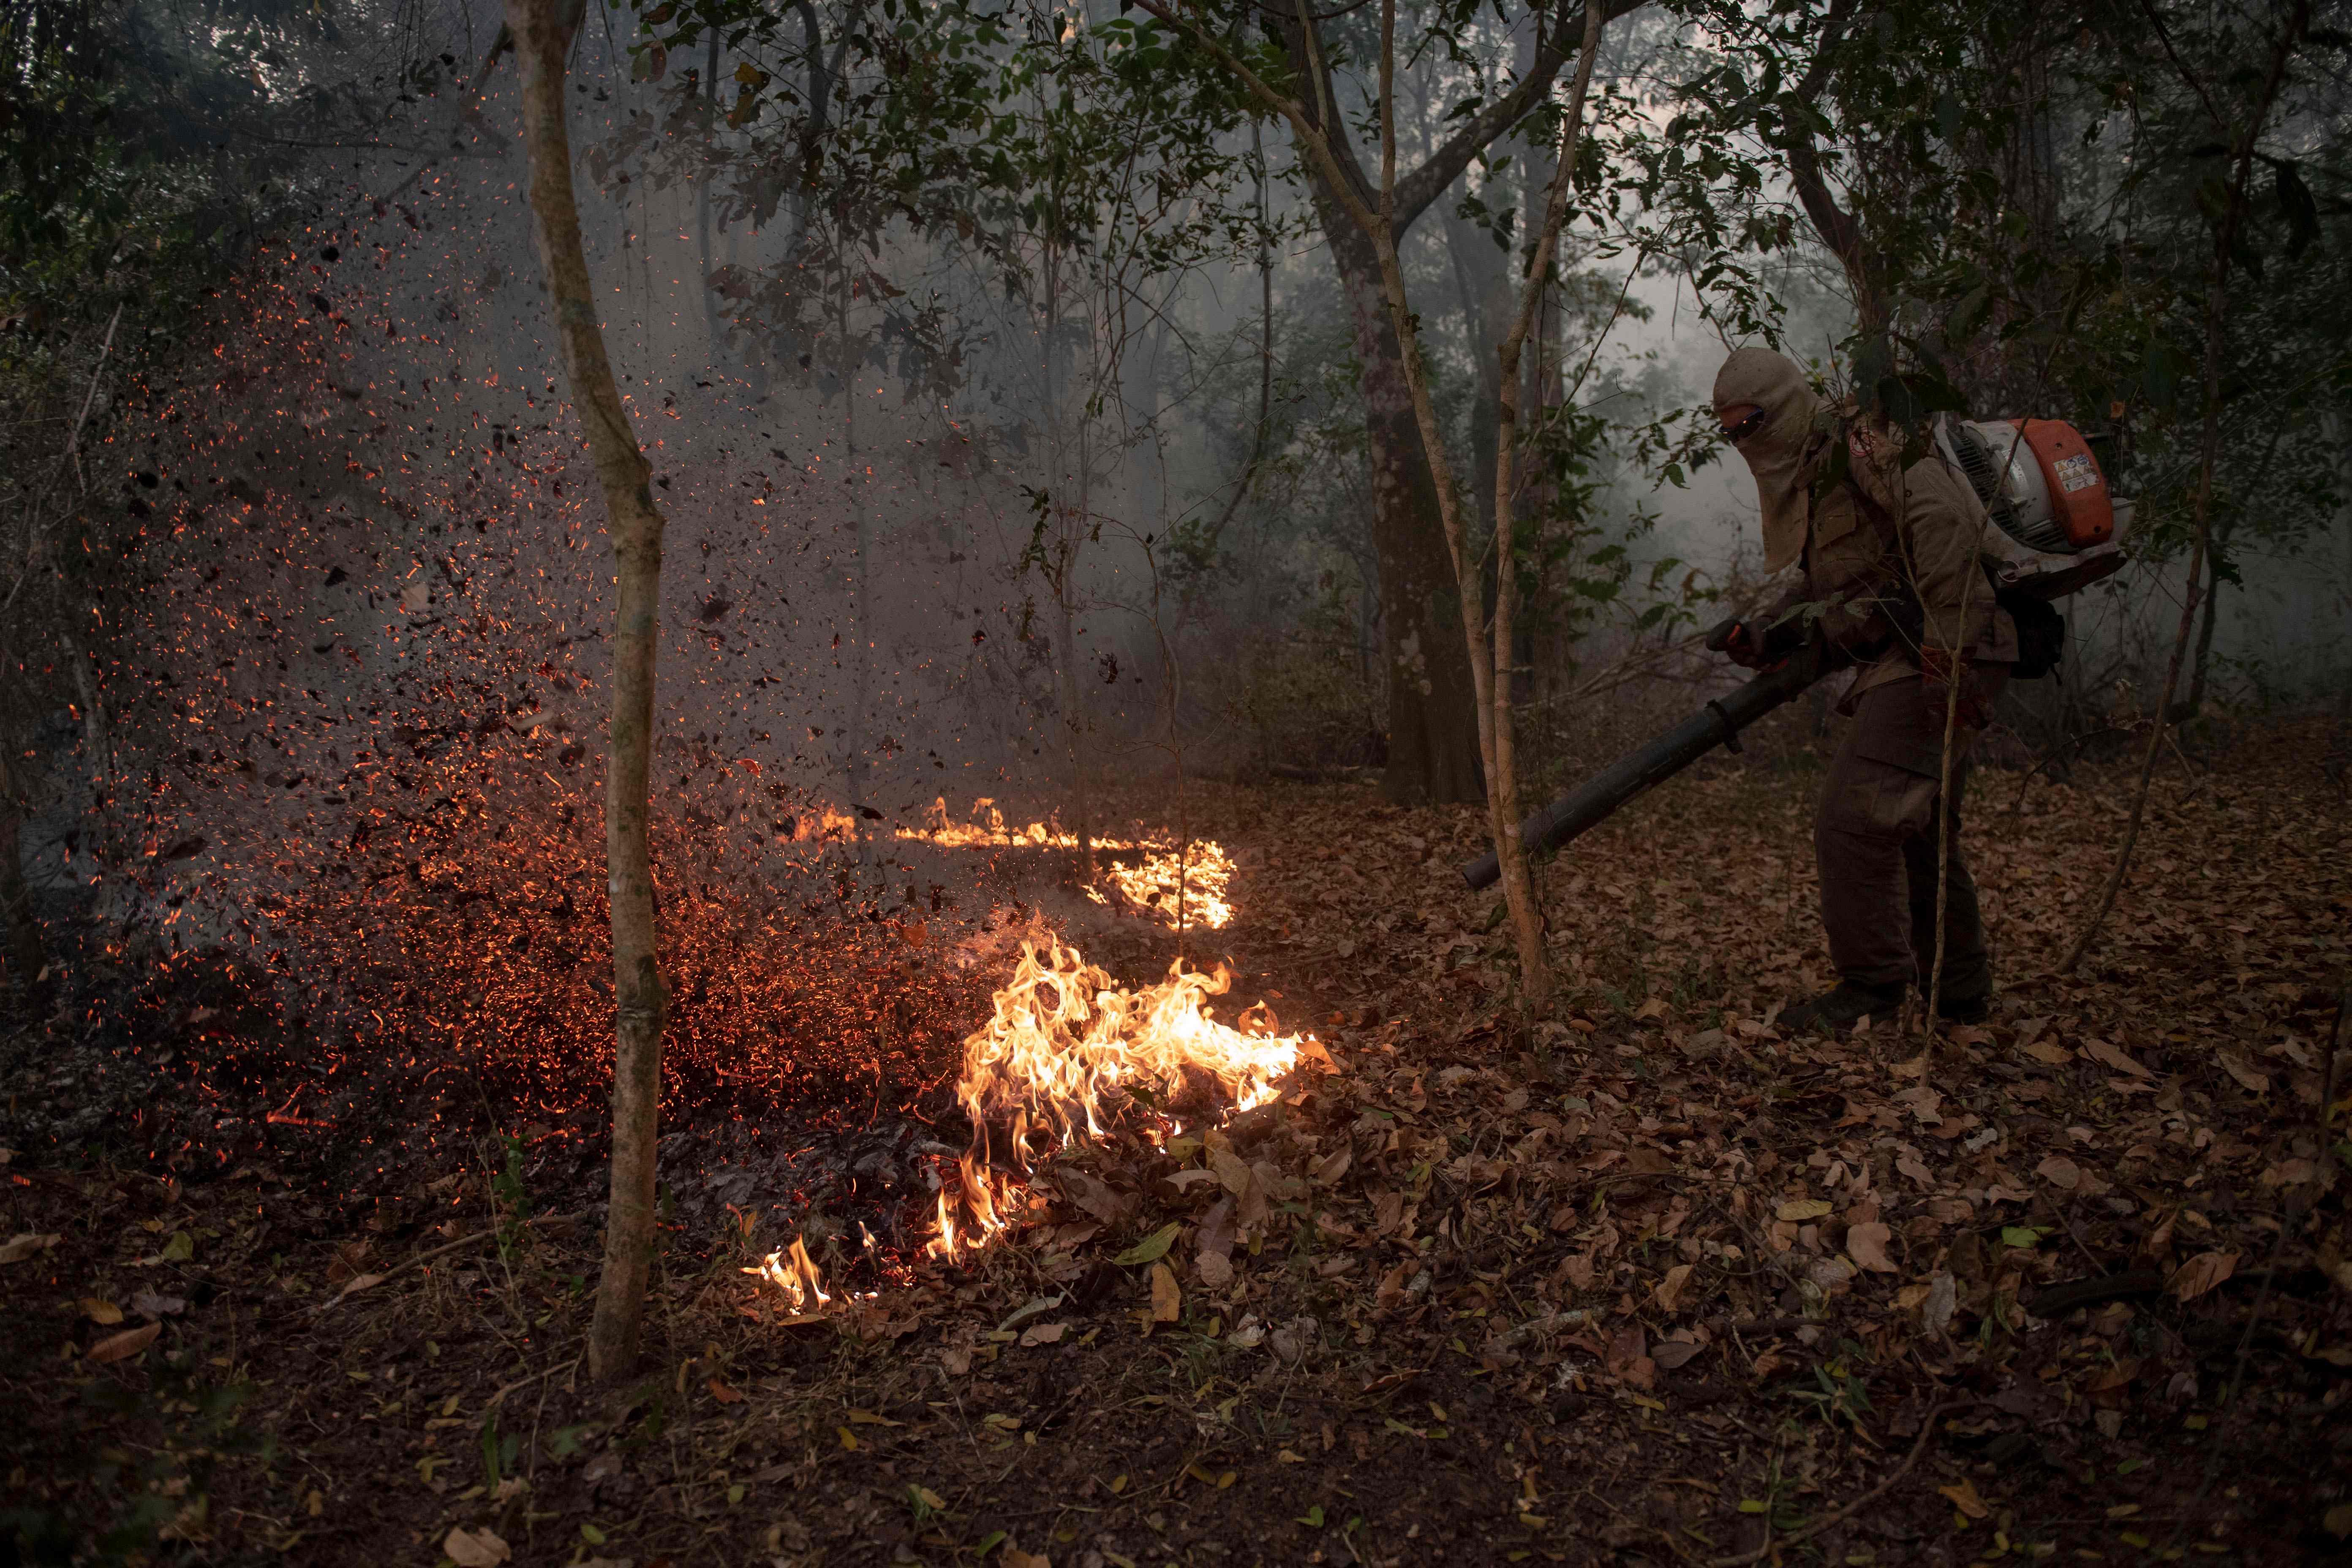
[(1638, 771)]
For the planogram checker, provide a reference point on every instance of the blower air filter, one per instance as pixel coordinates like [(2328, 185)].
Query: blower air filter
[(2037, 477)]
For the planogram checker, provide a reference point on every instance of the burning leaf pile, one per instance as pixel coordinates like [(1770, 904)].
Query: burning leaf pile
[(795, 1273), (1070, 1055)]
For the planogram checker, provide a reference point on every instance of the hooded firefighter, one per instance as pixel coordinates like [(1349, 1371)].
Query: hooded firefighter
[(1888, 559)]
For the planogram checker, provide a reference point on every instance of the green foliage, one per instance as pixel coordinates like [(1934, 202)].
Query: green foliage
[(2026, 214), (500, 1450), (994, 136), (511, 1197)]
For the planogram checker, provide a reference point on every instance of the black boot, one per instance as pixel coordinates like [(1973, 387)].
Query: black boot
[(1964, 1009), (1838, 1009)]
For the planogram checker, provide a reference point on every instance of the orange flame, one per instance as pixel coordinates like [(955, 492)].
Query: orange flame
[(1068, 1048), (1200, 870), (796, 1273), (1181, 888)]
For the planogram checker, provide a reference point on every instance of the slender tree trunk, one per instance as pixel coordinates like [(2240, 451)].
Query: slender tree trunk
[(25, 959), (1265, 352), (857, 765), (1547, 393), (1081, 798), (1498, 734), (711, 325), (2196, 703), (1481, 277), (543, 33), (1074, 714), (1372, 219), (1433, 742), (1060, 547), (1837, 227)]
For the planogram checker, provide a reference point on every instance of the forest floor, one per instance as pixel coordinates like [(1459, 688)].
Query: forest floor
[(1648, 1282)]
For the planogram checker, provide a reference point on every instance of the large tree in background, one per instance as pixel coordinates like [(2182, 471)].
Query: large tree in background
[(1433, 699), (1371, 213), (543, 31)]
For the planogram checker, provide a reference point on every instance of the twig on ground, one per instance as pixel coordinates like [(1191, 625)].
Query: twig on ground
[(424, 1257), (2076, 743), (497, 1398), (1838, 1515)]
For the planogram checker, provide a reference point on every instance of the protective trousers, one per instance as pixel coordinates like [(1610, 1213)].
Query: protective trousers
[(1875, 841)]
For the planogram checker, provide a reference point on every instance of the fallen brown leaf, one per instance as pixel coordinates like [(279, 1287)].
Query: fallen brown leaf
[(2201, 1273), (129, 1342), (18, 1247), (1167, 1297), (475, 1547), (2244, 1072), (2059, 1172), (1670, 1289), (2099, 1051), (1866, 1245), (1964, 1498)]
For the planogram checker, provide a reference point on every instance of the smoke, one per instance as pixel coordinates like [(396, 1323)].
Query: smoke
[(356, 651)]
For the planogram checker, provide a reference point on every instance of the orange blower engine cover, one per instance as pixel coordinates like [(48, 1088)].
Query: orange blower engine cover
[(2079, 500)]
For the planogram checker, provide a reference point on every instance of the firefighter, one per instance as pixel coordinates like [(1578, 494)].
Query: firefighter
[(1889, 571)]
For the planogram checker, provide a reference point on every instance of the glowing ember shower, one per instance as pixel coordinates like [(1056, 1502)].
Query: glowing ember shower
[(1067, 1052)]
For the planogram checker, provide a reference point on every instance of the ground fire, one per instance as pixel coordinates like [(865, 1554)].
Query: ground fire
[(1068, 1053)]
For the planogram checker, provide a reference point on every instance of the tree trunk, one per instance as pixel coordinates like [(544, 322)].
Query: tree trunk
[(1433, 705), (857, 762), (1481, 277), (1074, 713), (1837, 227), (543, 33), (2196, 703), (1434, 748), (24, 958), (1500, 736)]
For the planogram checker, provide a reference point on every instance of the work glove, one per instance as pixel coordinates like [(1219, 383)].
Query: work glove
[(1745, 645), (1937, 665), (1755, 643)]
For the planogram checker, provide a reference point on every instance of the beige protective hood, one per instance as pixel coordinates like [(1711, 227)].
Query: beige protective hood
[(1775, 453)]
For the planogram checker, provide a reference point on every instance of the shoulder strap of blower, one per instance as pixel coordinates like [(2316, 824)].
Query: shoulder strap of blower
[(2040, 629)]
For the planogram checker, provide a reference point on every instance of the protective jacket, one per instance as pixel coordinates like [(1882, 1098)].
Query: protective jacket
[(1889, 555)]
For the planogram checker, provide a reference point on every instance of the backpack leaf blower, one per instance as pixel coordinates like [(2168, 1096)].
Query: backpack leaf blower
[(2057, 528)]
